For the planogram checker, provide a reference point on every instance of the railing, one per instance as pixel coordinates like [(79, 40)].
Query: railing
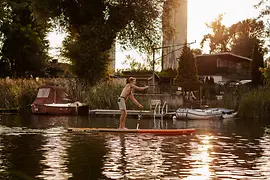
[(160, 113)]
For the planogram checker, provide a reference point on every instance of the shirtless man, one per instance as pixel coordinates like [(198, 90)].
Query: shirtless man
[(125, 94)]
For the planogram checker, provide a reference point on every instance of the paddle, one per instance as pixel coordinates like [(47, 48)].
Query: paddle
[(139, 118)]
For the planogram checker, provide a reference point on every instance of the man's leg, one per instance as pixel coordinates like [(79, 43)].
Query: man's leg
[(124, 119), (121, 119)]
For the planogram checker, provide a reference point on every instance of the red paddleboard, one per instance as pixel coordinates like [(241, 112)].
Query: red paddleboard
[(149, 131)]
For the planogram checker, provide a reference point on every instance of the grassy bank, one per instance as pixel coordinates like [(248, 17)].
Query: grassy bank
[(20, 93)]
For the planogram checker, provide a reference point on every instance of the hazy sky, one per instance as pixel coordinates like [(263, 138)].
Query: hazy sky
[(199, 13)]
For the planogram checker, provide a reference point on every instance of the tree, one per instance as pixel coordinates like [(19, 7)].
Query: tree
[(265, 11), (197, 51), (247, 34), (219, 39), (187, 69), (239, 38), (94, 26), (257, 63), (24, 44), (134, 65)]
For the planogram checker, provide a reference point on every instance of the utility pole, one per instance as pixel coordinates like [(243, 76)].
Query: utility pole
[(153, 63), (153, 73)]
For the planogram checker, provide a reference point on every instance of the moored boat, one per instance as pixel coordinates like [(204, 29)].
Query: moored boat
[(53, 100), (184, 113), (210, 113)]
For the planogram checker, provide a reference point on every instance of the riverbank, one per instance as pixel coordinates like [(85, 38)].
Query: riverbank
[(18, 94)]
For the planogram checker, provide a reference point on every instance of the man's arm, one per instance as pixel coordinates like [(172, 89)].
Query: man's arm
[(135, 101), (139, 88)]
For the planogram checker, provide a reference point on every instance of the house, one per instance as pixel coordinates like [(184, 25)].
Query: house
[(57, 69), (223, 67)]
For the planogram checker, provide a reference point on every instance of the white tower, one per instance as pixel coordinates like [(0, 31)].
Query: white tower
[(174, 14), (111, 65)]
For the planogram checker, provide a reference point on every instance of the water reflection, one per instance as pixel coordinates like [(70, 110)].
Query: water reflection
[(263, 163), (40, 148), (55, 156), (2, 157), (133, 157), (200, 157)]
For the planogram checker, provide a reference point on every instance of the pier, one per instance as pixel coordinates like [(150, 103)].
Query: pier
[(134, 113)]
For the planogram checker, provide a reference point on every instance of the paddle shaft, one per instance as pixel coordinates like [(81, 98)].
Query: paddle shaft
[(139, 118)]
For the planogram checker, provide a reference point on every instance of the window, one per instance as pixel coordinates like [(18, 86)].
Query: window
[(43, 93)]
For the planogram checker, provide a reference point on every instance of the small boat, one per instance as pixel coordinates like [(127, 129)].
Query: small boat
[(229, 115), (209, 113), (198, 114), (54, 100), (226, 113), (144, 131)]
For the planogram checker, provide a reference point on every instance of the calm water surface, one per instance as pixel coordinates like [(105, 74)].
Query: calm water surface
[(39, 147)]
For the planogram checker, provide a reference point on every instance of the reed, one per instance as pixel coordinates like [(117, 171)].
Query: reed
[(20, 93), (255, 104), (104, 95)]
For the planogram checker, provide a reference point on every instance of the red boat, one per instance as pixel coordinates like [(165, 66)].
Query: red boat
[(53, 100)]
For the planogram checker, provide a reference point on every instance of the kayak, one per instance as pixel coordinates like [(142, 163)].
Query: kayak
[(149, 131)]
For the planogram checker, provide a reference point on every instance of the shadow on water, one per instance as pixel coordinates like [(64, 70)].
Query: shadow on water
[(39, 147)]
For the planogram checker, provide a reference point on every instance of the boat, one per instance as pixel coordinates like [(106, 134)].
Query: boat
[(229, 115), (143, 131), (197, 114), (226, 113), (201, 114), (54, 100)]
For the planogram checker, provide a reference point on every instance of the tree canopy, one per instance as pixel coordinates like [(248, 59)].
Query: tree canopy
[(257, 64), (24, 45), (239, 38), (94, 26)]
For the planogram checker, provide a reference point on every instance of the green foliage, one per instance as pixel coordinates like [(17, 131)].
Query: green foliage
[(255, 104), (134, 65), (197, 51), (104, 95), (219, 39), (239, 38), (24, 44), (20, 93), (265, 11), (246, 34), (257, 63), (17, 93), (187, 69), (168, 73), (94, 26)]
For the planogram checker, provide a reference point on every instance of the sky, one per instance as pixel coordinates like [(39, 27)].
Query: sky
[(200, 12)]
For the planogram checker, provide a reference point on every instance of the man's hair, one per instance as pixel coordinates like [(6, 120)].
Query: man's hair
[(131, 79)]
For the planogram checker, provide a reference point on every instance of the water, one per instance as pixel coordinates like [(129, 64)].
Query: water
[(39, 147)]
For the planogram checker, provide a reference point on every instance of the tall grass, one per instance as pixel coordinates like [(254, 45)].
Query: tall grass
[(20, 93), (17, 93), (255, 104), (105, 94)]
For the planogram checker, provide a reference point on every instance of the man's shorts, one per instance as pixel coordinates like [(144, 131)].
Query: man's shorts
[(122, 103)]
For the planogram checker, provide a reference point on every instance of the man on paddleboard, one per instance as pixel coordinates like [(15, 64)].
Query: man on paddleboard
[(126, 93)]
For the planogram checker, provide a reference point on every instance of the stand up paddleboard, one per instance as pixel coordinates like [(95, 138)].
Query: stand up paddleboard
[(149, 131)]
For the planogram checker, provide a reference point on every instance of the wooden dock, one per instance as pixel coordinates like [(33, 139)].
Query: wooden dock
[(134, 113)]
